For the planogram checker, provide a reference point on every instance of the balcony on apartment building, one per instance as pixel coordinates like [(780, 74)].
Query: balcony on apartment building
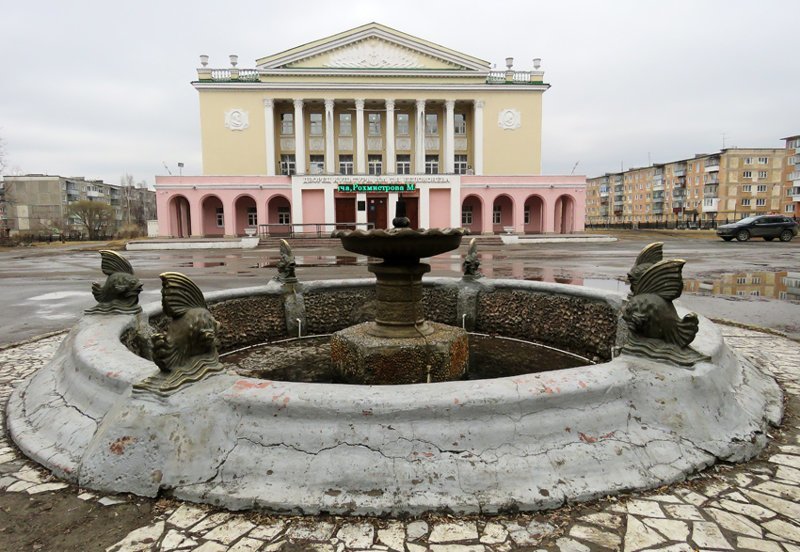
[(710, 205), (795, 193), (794, 176), (711, 190), (712, 164), (679, 170), (678, 193), (604, 211)]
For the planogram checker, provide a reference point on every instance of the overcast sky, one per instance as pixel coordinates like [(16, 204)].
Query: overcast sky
[(101, 88)]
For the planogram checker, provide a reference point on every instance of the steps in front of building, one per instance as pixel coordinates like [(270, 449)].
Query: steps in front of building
[(274, 242)]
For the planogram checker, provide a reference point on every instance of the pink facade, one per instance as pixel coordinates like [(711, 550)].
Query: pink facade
[(227, 205)]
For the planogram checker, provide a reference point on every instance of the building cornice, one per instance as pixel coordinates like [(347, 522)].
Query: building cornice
[(204, 85)]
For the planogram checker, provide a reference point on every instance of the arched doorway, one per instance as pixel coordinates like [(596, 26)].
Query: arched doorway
[(180, 217), (279, 216), (534, 215), (472, 214), (246, 214), (564, 221), (213, 216), (502, 214)]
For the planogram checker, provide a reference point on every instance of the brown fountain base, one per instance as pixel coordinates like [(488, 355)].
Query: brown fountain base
[(361, 357)]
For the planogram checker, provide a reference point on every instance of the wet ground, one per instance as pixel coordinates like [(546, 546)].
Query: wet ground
[(46, 289)]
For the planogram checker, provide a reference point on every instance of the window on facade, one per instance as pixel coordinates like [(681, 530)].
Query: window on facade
[(762, 188), (763, 160), (747, 174), (741, 280), (755, 280), (466, 214), (497, 214), (461, 124), (284, 215), (526, 215), (755, 293), (431, 124), (317, 164), (375, 164), (287, 164), (762, 174), (316, 124), (746, 187), (761, 202), (748, 160), (403, 164), (345, 164), (790, 208), (220, 217), (431, 164), (460, 164), (402, 124), (345, 124), (287, 124), (374, 124), (252, 216), (745, 202)]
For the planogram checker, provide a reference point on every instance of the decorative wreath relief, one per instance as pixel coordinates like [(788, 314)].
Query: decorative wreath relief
[(237, 119), (509, 119)]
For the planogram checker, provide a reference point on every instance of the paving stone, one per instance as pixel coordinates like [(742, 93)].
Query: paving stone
[(671, 528), (789, 492), (568, 545), (751, 510), (140, 539), (7, 481), (749, 543), (734, 522), (595, 536), (19, 486), (321, 531), (644, 508), (269, 531), (393, 535), (639, 536), (788, 474), (246, 545), (779, 505), (210, 522), (416, 530), (672, 499), (454, 532), (716, 488), (786, 459), (457, 548), (186, 516), (356, 535), (683, 511), (44, 487), (86, 496), (790, 449), (737, 496), (175, 540), (108, 501), (30, 474), (211, 547), (7, 457), (707, 535), (783, 529), (681, 547), (691, 497), (275, 546), (791, 547), (604, 519), (494, 533), (229, 531), (415, 547)]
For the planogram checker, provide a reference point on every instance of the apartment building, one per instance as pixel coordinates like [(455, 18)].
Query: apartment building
[(705, 189), (791, 174), (39, 204)]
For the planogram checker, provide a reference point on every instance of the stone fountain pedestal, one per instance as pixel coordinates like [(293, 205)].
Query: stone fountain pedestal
[(400, 346)]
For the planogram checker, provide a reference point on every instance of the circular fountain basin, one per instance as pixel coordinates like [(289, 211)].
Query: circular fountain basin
[(400, 243), (523, 442)]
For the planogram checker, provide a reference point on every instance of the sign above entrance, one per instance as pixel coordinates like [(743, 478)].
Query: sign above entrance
[(368, 187)]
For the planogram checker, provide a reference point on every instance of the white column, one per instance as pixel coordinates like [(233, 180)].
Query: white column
[(455, 202), (330, 210), (361, 216), (477, 139), (330, 162), (299, 138), (419, 144), (361, 144), (392, 207), (269, 134), (449, 136), (389, 166), (424, 206)]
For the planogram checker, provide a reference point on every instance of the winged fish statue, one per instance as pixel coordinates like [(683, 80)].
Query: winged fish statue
[(119, 294)]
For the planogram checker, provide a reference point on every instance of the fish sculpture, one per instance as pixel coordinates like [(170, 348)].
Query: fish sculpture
[(187, 351), (120, 292), (655, 328), (471, 265), (649, 256), (286, 265)]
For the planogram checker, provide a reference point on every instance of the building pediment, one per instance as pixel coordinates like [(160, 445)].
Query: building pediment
[(372, 46)]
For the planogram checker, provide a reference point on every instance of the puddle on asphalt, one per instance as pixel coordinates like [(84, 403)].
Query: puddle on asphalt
[(314, 261)]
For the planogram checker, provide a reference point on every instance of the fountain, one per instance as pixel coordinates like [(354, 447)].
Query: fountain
[(143, 402)]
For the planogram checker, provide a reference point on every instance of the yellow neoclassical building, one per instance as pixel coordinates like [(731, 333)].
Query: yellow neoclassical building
[(331, 132)]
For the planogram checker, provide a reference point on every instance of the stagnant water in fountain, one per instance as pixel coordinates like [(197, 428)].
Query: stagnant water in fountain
[(308, 360)]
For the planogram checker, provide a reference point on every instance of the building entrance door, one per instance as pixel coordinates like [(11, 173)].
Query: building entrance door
[(412, 211), (376, 211), (345, 213)]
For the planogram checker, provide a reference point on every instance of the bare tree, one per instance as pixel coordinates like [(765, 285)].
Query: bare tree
[(95, 216), (2, 156)]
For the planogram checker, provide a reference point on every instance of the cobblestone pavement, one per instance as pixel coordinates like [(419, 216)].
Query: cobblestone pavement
[(754, 506)]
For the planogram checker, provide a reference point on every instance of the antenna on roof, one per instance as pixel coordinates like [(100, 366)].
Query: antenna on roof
[(575, 166), (165, 166)]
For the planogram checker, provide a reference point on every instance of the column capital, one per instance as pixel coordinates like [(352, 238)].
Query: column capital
[(389, 105), (298, 103), (450, 105), (479, 104), (360, 104), (269, 103), (329, 104), (420, 105)]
